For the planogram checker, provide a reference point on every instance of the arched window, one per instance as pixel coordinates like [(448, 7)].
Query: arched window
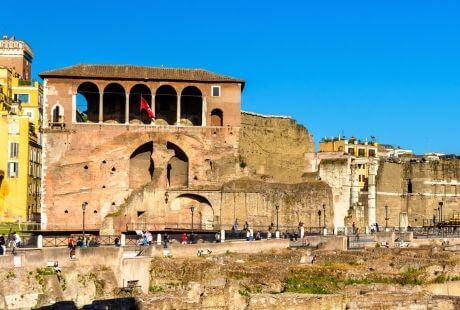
[(191, 105), (217, 117), (87, 103), (166, 105), (114, 103), (135, 113), (57, 114)]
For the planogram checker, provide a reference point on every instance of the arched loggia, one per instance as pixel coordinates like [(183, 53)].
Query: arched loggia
[(191, 106), (137, 115), (166, 105), (114, 103), (87, 109)]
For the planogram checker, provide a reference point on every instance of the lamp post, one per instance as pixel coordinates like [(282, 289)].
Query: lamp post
[(319, 219), (324, 215), (193, 210), (277, 207), (386, 217), (83, 207)]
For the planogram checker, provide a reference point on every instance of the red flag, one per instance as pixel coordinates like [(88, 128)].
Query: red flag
[(145, 106)]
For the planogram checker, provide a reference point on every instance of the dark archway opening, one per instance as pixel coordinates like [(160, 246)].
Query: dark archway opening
[(191, 106), (409, 187), (166, 105), (217, 117), (135, 113), (141, 166), (114, 103), (87, 103), (177, 167)]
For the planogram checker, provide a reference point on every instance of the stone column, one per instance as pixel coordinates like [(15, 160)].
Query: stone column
[(178, 111), (127, 109), (158, 239), (204, 110), (153, 110), (302, 232), (123, 240), (39, 241), (101, 107), (354, 185), (371, 204), (222, 235), (74, 108)]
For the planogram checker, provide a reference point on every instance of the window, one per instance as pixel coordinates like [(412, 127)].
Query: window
[(14, 149), (29, 113), (361, 152), (12, 169), (215, 90), (22, 98), (351, 151), (13, 128), (371, 153)]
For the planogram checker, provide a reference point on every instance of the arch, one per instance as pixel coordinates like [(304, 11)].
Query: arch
[(203, 212), (217, 117), (57, 113), (135, 94), (141, 166), (191, 106), (177, 167), (166, 105), (87, 103), (114, 103)]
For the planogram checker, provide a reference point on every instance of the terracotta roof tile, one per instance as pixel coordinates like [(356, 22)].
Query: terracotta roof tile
[(130, 72)]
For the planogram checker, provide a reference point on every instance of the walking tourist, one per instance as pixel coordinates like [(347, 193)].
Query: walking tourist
[(183, 238)]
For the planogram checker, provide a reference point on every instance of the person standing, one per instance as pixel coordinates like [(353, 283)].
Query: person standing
[(2, 245), (165, 241), (183, 238)]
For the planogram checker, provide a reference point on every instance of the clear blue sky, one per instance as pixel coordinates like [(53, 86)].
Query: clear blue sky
[(385, 68)]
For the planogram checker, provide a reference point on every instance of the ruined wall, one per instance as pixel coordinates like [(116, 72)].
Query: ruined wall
[(91, 163), (240, 200), (430, 183), (274, 146)]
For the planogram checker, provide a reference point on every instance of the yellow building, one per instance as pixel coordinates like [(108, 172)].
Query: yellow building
[(355, 148), (20, 119)]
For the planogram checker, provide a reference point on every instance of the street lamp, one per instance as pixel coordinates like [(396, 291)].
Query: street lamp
[(83, 207), (193, 210), (277, 216), (386, 217), (324, 215), (319, 218)]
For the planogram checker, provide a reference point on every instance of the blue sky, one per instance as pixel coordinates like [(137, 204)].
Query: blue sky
[(385, 68)]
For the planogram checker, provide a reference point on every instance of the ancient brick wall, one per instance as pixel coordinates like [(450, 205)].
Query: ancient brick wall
[(417, 187), (91, 163), (274, 146), (240, 200)]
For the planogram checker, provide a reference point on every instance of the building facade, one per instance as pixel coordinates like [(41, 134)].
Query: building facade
[(20, 121), (105, 156)]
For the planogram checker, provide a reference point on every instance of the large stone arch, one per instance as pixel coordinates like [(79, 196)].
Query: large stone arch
[(177, 167), (87, 105), (141, 166), (203, 212)]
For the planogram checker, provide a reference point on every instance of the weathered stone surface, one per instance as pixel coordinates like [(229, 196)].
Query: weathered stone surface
[(274, 146)]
